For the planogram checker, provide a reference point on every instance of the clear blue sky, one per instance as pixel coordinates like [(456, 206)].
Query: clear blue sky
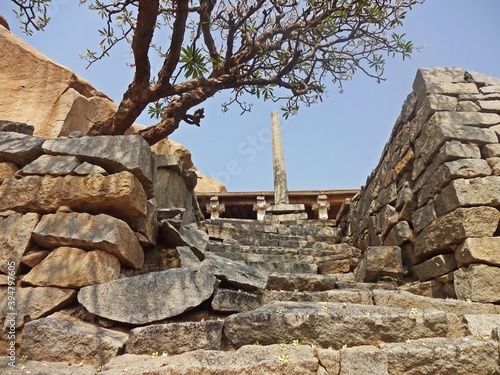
[(333, 145)]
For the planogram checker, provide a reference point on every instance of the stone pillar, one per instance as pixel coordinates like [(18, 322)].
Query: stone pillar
[(321, 205), (215, 208), (260, 206), (280, 185)]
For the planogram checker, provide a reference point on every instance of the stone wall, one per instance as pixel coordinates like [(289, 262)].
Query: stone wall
[(435, 193), (87, 206)]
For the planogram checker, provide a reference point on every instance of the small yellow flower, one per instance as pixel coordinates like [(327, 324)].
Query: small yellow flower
[(295, 343), (344, 346), (279, 311), (282, 346), (323, 302), (154, 355), (295, 290), (480, 336), (324, 309), (366, 312), (414, 311), (408, 341), (283, 358), (164, 355)]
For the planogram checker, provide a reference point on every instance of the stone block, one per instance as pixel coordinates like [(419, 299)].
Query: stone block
[(62, 338), (15, 239), (188, 259), (489, 105), (16, 127), (59, 165), (454, 228), (175, 338), (68, 267), (227, 300), (479, 250), (423, 217), (90, 232), (85, 169), (443, 126), (234, 273), (491, 150), (364, 359), (34, 258), (7, 170), (148, 225), (478, 283), (481, 191), (34, 303), (467, 106), (134, 300), (482, 325), (19, 148), (434, 267), (115, 153), (400, 234), (494, 164), (120, 194), (380, 261)]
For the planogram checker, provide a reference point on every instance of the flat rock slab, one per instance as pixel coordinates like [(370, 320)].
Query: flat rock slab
[(188, 235), (262, 360), (344, 296), (60, 337), (227, 300), (236, 274), (115, 153), (176, 338), (90, 232), (15, 239), (478, 283), (332, 324), (69, 267), (33, 303), (120, 194), (302, 282), (58, 165), (148, 298), (20, 148)]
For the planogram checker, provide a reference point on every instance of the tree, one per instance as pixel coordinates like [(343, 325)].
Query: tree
[(281, 50)]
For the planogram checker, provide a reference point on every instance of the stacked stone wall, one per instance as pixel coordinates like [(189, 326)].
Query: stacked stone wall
[(435, 193)]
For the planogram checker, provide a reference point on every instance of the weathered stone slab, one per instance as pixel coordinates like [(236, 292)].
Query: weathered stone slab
[(60, 337), (442, 127), (442, 356), (469, 192), (400, 234), (115, 153), (148, 226), (491, 150), (489, 105), (423, 217), (252, 359), (176, 338), (335, 325), (33, 303), (150, 297), (34, 258), (494, 164), (234, 273), (90, 232), (434, 267), (85, 169), (482, 325), (20, 148), (68, 267), (380, 261), (59, 165), (302, 282), (187, 258), (15, 231), (356, 296), (188, 235), (365, 359), (479, 250), (120, 194), (407, 300), (16, 127), (455, 227), (227, 300), (478, 283)]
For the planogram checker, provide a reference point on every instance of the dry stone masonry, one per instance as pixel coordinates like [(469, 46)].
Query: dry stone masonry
[(112, 270)]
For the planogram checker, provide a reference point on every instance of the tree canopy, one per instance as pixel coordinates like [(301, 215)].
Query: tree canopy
[(280, 50)]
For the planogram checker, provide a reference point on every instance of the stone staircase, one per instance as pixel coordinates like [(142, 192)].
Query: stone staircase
[(311, 317)]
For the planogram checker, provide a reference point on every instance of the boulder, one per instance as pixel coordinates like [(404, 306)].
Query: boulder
[(334, 324), (150, 297), (34, 303), (176, 338), (52, 165), (478, 283), (115, 153), (60, 337), (90, 232), (454, 228), (120, 194), (19, 148), (236, 274), (479, 250), (53, 98), (68, 267), (380, 261), (16, 231)]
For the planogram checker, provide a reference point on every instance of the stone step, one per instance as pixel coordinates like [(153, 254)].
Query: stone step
[(302, 282), (336, 324), (286, 267), (317, 249)]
